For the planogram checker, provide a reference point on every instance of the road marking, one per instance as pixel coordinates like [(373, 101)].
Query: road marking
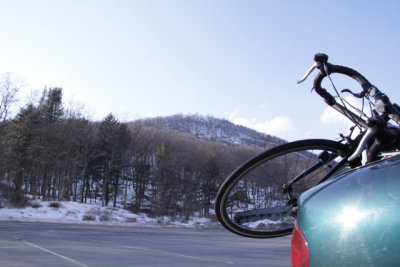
[(157, 252), (56, 254)]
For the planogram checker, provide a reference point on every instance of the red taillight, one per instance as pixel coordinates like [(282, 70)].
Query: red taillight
[(300, 251)]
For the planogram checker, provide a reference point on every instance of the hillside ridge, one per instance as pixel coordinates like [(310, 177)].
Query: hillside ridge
[(214, 129)]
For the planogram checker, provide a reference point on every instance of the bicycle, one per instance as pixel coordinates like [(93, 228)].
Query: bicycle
[(259, 198)]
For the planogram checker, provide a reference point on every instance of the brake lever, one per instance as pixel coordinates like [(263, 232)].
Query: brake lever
[(310, 70)]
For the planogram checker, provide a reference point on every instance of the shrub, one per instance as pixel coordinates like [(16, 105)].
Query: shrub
[(133, 208), (55, 205), (105, 216), (89, 217), (91, 214), (36, 205)]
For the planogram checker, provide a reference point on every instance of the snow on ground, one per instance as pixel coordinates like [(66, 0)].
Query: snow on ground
[(81, 213)]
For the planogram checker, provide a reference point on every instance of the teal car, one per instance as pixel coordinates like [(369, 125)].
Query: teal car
[(351, 220)]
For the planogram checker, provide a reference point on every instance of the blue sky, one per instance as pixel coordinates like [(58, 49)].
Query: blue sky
[(238, 60)]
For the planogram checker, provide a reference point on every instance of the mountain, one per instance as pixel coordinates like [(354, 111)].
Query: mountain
[(210, 128)]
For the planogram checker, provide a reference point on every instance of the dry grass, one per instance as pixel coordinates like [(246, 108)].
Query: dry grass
[(131, 220), (213, 218)]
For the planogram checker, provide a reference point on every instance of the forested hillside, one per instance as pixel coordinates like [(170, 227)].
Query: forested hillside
[(52, 152), (210, 128)]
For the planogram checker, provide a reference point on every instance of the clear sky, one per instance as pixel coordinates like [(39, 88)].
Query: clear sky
[(238, 60)]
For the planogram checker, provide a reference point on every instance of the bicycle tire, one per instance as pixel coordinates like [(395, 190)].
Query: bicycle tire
[(298, 148)]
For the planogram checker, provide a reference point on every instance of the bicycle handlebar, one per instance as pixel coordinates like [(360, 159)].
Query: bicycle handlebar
[(321, 62), (384, 109), (327, 68)]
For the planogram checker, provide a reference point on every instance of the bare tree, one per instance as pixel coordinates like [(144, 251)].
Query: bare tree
[(9, 87)]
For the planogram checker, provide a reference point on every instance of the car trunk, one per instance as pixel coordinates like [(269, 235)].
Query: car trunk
[(354, 219)]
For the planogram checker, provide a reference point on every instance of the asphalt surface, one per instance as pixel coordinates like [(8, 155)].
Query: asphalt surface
[(46, 244)]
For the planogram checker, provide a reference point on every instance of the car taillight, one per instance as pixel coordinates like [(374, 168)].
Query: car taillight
[(300, 251)]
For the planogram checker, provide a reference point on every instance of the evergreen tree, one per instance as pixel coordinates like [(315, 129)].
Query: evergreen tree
[(22, 143), (209, 177), (113, 146)]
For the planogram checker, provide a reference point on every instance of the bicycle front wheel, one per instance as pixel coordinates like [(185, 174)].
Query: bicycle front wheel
[(251, 202)]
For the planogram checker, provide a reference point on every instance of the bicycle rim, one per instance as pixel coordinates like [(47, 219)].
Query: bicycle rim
[(251, 203)]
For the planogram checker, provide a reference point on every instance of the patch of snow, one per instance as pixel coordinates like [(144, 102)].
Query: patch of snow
[(82, 213)]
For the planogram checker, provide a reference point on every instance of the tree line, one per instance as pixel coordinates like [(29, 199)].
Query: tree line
[(56, 153)]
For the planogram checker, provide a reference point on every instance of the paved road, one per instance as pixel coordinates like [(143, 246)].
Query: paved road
[(45, 244)]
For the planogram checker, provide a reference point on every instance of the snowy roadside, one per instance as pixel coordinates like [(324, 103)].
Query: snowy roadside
[(81, 213)]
